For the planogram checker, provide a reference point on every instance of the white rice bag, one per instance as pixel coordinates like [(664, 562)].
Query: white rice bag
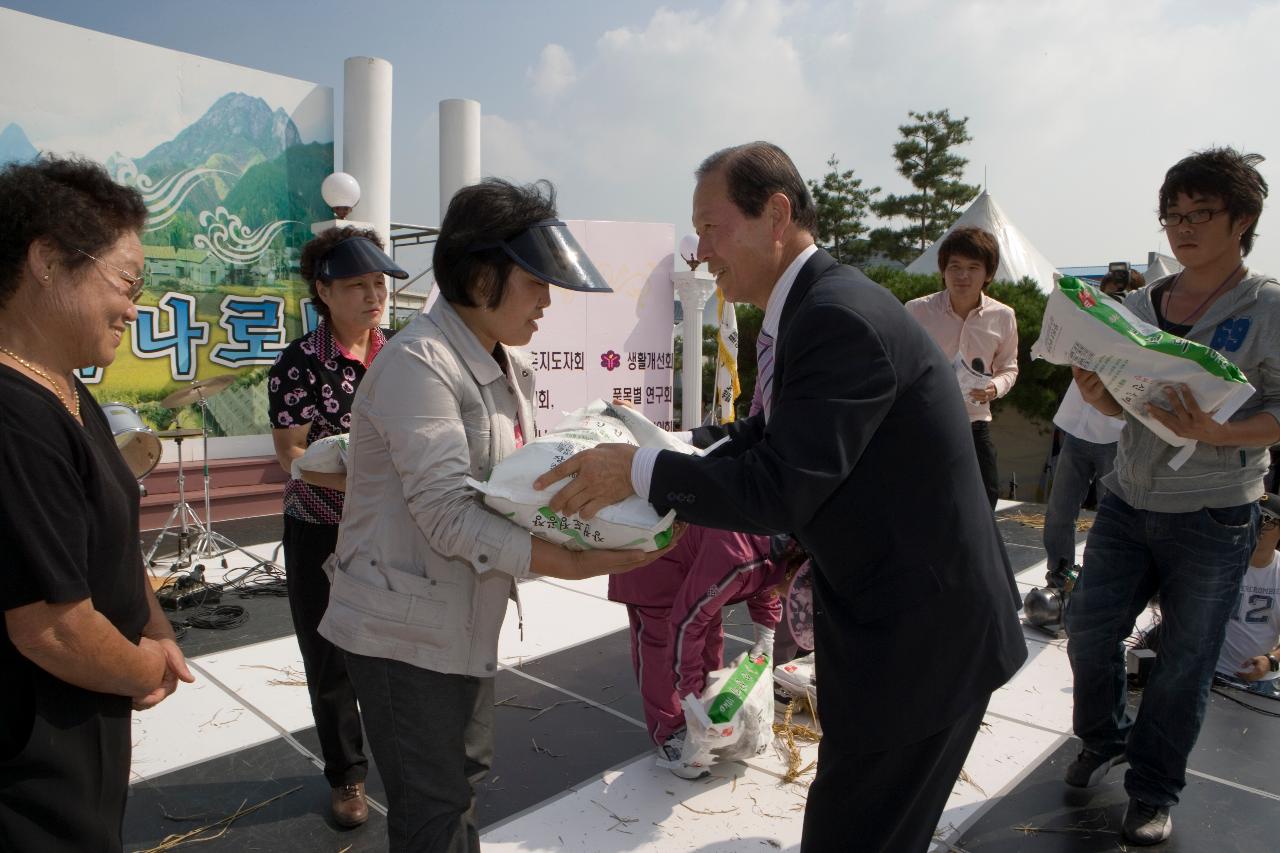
[(733, 719), (324, 456), (629, 524), (1135, 360)]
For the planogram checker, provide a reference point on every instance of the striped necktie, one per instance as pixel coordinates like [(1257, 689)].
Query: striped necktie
[(764, 373)]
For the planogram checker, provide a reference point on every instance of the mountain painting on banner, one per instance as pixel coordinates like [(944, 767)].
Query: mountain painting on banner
[(229, 161)]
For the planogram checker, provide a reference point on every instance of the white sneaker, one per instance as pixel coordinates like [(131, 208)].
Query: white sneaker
[(669, 757)]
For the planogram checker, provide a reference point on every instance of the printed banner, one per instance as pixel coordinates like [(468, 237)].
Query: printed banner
[(229, 161), (611, 345)]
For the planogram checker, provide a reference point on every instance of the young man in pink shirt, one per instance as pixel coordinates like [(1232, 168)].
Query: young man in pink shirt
[(978, 334)]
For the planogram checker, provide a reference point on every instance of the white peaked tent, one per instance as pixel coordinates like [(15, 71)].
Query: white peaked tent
[(1159, 266), (1018, 258)]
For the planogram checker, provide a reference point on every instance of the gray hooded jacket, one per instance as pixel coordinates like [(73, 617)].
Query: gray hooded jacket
[(1243, 325)]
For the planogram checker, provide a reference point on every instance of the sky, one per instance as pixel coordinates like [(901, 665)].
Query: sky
[(1076, 107)]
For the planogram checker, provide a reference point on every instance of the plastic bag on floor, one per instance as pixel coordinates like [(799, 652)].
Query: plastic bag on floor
[(799, 679), (629, 524), (1135, 360), (733, 719)]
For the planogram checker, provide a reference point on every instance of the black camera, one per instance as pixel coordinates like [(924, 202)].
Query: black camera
[(1118, 271)]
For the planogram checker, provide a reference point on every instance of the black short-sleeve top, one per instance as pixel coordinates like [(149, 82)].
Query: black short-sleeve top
[(68, 531), (314, 382)]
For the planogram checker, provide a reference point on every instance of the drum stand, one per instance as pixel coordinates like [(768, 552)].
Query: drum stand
[(208, 543), (187, 520)]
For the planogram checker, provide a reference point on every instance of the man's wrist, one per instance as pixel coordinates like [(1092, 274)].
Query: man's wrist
[(1274, 662)]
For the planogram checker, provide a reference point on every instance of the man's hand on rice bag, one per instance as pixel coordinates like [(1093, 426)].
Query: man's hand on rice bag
[(1094, 392), (601, 477), (556, 561), (1184, 417), (626, 404)]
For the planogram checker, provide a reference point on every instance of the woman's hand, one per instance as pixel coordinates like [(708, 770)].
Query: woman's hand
[(556, 561), (1094, 392), (175, 670)]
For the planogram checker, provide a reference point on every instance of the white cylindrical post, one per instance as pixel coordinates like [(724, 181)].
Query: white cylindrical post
[(693, 291), (366, 138), (459, 147)]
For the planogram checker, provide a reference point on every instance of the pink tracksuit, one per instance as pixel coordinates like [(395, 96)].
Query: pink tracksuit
[(675, 603)]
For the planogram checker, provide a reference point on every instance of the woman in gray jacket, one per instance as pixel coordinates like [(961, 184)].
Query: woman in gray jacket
[(423, 570), (1185, 534)]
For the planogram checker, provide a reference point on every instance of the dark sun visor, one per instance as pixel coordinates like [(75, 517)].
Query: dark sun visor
[(357, 256), (547, 251)]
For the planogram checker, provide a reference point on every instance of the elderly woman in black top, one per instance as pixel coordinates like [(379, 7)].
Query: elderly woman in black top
[(85, 639), (310, 389)]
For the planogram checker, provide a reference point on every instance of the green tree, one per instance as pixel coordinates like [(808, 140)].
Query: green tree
[(842, 205), (925, 158)]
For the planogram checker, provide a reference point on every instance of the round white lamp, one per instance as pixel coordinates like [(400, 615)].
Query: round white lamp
[(341, 192)]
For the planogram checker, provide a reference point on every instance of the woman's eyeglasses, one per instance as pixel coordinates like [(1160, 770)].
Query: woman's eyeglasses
[(136, 282)]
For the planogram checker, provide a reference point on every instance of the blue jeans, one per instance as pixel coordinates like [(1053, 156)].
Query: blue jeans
[(1195, 561), (1080, 463)]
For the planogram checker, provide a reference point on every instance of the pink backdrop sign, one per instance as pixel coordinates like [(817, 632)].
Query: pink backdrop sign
[(592, 345)]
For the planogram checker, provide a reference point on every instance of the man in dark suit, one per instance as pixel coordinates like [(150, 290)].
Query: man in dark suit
[(862, 452)]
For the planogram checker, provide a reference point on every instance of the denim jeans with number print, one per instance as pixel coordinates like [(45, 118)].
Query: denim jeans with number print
[(1195, 561)]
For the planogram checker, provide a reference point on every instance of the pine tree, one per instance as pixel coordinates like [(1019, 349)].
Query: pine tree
[(925, 159), (842, 205)]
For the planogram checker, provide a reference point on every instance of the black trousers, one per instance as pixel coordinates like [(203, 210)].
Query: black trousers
[(986, 452), (889, 801), (432, 736), (333, 699), (65, 790)]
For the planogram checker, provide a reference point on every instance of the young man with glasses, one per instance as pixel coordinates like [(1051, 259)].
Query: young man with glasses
[(1185, 534)]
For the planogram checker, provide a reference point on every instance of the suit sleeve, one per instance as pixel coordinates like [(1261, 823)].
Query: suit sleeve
[(838, 386), (741, 433)]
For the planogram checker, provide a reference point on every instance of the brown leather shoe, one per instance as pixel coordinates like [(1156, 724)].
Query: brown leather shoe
[(350, 808)]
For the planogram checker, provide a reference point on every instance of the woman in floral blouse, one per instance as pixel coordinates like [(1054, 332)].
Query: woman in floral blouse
[(310, 388)]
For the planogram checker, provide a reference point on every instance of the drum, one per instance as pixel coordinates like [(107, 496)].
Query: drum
[(138, 444)]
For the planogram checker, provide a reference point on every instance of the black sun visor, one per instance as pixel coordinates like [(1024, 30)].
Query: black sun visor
[(357, 256), (547, 251)]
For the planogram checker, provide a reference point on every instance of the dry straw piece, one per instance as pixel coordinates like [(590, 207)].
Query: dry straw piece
[(790, 732), (174, 841)]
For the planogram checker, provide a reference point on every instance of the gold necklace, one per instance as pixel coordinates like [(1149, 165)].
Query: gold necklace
[(75, 412)]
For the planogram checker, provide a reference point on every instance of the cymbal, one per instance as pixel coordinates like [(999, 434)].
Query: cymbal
[(182, 432), (200, 388)]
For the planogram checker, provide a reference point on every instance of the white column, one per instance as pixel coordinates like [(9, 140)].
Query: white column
[(366, 138), (693, 291), (459, 147)]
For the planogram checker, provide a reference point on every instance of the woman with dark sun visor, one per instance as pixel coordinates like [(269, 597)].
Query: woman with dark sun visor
[(423, 570)]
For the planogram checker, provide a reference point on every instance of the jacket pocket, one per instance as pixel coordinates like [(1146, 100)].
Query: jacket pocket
[(407, 599), (895, 590), (430, 599)]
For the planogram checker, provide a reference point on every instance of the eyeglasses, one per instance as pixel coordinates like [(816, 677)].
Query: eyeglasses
[(136, 282), (1193, 217)]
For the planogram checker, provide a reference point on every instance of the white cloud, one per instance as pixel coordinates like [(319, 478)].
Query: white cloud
[(554, 72), (1076, 109)]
